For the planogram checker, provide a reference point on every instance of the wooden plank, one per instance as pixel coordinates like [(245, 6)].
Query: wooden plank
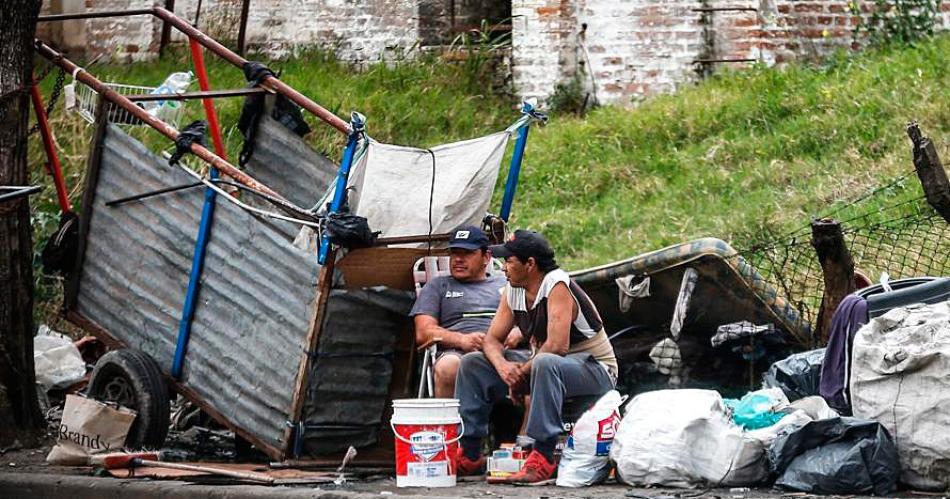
[(390, 267), (324, 283)]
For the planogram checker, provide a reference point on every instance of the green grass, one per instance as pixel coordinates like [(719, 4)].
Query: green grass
[(737, 156), (733, 156)]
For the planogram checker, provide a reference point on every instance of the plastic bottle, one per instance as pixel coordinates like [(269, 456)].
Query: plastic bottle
[(175, 83)]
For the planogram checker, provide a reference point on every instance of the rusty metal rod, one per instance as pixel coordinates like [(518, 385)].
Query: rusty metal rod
[(270, 81), (212, 94), (242, 29), (164, 128), (222, 52), (166, 30), (383, 241), (94, 15)]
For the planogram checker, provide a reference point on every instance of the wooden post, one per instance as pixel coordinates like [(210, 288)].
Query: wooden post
[(930, 171), (837, 270)]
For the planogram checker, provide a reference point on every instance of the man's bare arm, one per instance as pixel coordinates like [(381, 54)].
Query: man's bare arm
[(501, 325), (561, 313), (428, 329)]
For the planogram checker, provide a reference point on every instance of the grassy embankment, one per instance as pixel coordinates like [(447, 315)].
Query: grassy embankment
[(737, 156)]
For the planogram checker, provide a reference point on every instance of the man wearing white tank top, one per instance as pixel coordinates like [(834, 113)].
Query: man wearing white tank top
[(570, 356)]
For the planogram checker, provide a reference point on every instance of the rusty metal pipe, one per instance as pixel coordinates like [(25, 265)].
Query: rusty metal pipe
[(164, 128), (212, 94), (270, 82), (221, 51), (94, 15)]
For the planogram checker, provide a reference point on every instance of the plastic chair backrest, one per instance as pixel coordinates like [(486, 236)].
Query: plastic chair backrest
[(427, 268)]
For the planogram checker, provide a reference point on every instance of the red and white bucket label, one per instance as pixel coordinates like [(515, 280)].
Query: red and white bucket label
[(423, 458)]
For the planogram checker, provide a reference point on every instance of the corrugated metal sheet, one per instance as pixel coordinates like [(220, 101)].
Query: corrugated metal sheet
[(284, 161), (255, 304), (352, 370)]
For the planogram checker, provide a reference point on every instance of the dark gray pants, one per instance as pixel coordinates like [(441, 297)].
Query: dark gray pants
[(553, 379)]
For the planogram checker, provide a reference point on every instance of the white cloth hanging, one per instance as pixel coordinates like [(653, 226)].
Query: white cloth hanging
[(393, 186)]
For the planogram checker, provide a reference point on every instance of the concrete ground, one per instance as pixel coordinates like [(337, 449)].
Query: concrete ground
[(24, 474), (14, 485)]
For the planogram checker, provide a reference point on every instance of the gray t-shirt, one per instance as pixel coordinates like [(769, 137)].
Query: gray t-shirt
[(463, 307)]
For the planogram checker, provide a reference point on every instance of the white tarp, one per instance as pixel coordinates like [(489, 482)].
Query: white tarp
[(392, 185), (899, 377)]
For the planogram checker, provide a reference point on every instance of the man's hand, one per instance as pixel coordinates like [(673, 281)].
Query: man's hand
[(471, 342), (510, 373), (514, 338)]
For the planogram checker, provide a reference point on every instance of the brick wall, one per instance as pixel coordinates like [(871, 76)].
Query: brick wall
[(436, 18), (621, 50), (626, 49), (359, 31), (543, 45), (121, 39)]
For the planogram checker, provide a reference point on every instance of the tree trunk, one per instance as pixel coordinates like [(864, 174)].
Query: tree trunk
[(837, 270), (20, 417)]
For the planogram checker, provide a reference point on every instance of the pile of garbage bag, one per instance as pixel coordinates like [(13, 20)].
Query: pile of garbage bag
[(687, 438), (692, 438)]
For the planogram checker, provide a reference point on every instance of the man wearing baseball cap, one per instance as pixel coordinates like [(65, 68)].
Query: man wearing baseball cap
[(458, 309), (570, 356)]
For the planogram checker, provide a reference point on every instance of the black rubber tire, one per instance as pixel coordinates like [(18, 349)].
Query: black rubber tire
[(131, 378)]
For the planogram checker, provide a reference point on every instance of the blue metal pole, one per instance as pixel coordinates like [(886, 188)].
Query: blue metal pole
[(515, 169), (357, 123), (197, 263)]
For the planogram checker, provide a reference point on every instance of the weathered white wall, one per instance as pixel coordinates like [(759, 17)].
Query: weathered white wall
[(122, 38), (359, 31), (631, 48), (621, 49)]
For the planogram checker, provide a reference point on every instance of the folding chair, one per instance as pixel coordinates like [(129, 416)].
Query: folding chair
[(424, 270)]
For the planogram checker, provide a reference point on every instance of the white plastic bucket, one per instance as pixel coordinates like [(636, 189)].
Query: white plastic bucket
[(427, 434)]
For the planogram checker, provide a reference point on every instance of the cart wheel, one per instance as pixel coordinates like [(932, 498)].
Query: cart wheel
[(132, 379)]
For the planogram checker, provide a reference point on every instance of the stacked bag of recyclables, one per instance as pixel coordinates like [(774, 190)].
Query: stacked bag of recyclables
[(689, 438), (899, 377), (686, 438)]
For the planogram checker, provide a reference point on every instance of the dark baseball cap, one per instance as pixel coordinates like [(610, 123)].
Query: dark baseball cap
[(468, 237), (525, 244)]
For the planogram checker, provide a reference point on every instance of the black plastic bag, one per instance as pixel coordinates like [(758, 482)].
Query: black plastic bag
[(284, 112), (797, 375), (845, 456), (350, 231)]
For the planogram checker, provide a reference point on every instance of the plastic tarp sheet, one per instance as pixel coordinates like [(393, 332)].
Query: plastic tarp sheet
[(686, 438), (352, 368), (394, 187), (836, 456), (56, 360), (899, 378)]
